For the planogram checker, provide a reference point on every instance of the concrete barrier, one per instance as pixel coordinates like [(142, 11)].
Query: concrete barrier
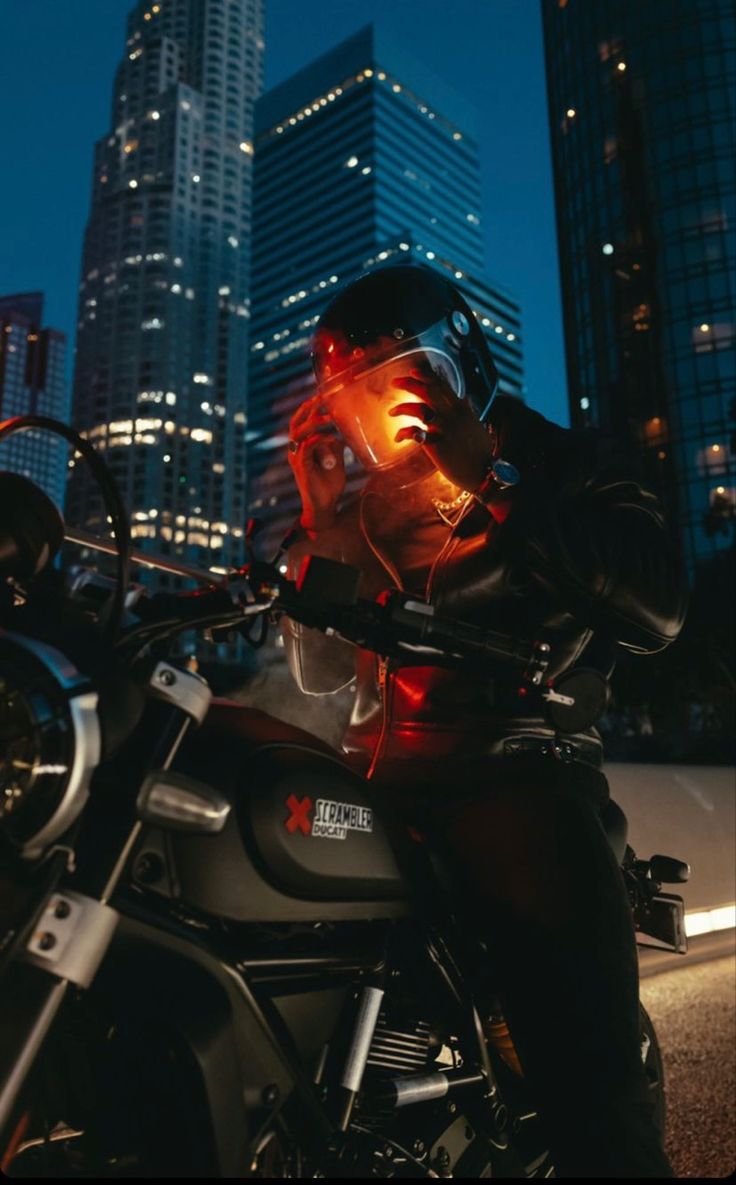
[(686, 811)]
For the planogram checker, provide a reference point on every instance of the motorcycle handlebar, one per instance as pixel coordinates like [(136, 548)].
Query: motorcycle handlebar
[(324, 597)]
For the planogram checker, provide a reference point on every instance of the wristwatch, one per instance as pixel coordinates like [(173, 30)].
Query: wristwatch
[(500, 475)]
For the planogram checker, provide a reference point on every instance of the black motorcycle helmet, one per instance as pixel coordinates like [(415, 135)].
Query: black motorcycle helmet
[(393, 311)]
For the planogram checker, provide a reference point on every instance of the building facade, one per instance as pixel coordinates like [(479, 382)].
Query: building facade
[(362, 159), (162, 346), (641, 117), (33, 382)]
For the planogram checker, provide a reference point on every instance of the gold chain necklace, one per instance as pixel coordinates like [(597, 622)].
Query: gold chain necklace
[(440, 506)]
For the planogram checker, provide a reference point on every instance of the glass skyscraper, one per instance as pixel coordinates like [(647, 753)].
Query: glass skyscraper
[(162, 347), (641, 103), (361, 159), (33, 382)]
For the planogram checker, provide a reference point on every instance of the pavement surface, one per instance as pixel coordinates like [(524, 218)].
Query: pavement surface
[(693, 1008)]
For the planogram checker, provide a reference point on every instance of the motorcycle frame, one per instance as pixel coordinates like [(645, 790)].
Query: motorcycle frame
[(243, 1053)]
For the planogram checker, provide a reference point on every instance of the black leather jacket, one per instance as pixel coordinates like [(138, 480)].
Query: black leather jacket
[(583, 561)]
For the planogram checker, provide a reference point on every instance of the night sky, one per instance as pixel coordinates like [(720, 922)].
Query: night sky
[(57, 60)]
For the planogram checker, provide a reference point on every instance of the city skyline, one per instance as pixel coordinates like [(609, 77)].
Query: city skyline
[(494, 60)]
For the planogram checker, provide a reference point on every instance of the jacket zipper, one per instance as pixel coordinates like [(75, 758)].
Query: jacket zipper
[(383, 689), (384, 678)]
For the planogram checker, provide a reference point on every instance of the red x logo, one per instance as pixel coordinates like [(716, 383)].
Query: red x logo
[(299, 812)]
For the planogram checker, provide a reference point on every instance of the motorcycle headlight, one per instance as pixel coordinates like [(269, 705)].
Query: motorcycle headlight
[(49, 743)]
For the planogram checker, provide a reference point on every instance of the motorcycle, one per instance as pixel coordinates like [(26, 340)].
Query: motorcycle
[(217, 959)]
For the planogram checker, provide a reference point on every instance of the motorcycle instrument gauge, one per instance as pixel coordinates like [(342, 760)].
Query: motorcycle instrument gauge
[(49, 743)]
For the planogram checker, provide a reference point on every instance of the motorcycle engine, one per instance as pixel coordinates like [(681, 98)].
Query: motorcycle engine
[(433, 1138)]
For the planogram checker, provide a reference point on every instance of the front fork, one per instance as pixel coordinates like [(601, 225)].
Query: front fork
[(75, 928)]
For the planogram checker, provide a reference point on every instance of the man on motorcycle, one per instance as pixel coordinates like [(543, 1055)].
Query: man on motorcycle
[(500, 518)]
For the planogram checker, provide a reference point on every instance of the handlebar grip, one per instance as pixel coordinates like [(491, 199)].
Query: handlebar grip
[(468, 640)]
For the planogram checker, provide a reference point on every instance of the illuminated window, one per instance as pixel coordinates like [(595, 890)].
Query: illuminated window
[(716, 335), (640, 318), (712, 459), (723, 501), (654, 430)]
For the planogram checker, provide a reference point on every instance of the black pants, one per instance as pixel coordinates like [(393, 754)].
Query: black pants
[(538, 876)]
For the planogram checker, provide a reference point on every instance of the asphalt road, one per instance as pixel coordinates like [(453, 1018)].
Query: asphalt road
[(693, 1007)]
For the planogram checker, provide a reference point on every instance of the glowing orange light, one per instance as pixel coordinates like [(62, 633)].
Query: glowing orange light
[(406, 686)]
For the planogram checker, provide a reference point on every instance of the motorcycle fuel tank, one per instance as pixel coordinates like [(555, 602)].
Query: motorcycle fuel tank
[(302, 841), (315, 829)]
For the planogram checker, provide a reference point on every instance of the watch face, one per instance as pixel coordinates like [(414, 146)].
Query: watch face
[(505, 474)]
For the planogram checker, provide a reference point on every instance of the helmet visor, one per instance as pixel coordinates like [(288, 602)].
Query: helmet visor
[(361, 399)]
